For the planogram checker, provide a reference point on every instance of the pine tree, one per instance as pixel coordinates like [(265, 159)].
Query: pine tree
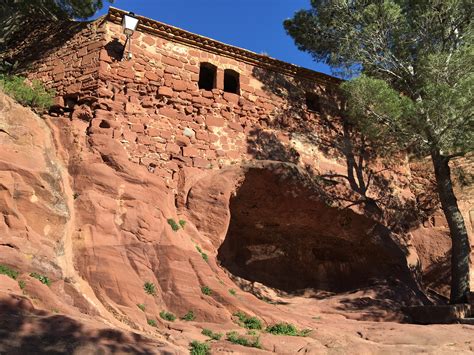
[(413, 63)]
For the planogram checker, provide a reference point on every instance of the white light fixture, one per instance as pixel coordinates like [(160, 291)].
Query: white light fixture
[(129, 25)]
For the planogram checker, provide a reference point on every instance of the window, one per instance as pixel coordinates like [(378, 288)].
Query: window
[(207, 76), (231, 81), (313, 102)]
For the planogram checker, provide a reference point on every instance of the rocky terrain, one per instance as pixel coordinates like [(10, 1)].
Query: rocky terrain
[(102, 247)]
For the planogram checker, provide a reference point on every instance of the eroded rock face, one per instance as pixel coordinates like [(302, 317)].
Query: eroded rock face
[(75, 209), (282, 235)]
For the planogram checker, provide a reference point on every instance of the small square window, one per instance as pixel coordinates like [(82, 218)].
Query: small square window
[(207, 76), (231, 81), (313, 102)]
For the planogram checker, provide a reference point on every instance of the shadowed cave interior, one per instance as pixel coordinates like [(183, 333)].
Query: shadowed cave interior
[(284, 237)]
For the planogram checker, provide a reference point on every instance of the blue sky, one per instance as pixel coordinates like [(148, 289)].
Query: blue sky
[(251, 24)]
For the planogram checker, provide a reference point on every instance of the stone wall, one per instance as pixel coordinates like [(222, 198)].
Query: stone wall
[(154, 106)]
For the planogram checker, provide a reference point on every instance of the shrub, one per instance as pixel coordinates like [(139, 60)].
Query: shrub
[(206, 290), (182, 223), (167, 316), (235, 338), (141, 306), (151, 322), (34, 94), (42, 278), (209, 333), (5, 270), (198, 348), (232, 292), (248, 322), (22, 284), (286, 329), (150, 288), (173, 224), (189, 316)]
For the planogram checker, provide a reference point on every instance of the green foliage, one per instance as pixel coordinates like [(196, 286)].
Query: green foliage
[(42, 278), (182, 223), (248, 322), (286, 329), (151, 322), (5, 270), (204, 255), (31, 94), (232, 292), (141, 306), (206, 290), (173, 224), (189, 316), (424, 97), (198, 348), (167, 316), (22, 284), (150, 288), (235, 338), (72, 9), (209, 333)]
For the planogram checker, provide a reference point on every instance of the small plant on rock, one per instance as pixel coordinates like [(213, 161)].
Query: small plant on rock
[(248, 322), (286, 329), (173, 224), (182, 223), (42, 278), (209, 333), (204, 255), (22, 284), (5, 270), (150, 288), (151, 322), (198, 348), (232, 292), (235, 338), (141, 306), (167, 316), (206, 290), (189, 316)]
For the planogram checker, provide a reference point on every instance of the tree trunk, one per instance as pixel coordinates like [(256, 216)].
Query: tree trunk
[(460, 249)]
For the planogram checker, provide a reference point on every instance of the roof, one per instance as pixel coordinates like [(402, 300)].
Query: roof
[(179, 35)]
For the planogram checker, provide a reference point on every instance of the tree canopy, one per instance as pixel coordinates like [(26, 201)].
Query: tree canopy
[(412, 69), (73, 9)]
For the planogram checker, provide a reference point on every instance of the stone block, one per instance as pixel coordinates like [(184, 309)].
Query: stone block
[(212, 121)]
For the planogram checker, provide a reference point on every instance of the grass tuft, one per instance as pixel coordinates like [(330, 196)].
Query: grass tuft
[(173, 224), (150, 288), (198, 348), (206, 290), (27, 93), (182, 223), (235, 338), (189, 316), (286, 329), (209, 333), (151, 322), (5, 270), (42, 278), (232, 292), (167, 316), (248, 322), (141, 306)]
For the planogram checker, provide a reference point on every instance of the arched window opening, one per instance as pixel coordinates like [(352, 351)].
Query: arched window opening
[(231, 81), (313, 102), (207, 76)]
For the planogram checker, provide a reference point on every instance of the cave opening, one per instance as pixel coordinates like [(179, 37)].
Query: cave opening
[(283, 236)]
